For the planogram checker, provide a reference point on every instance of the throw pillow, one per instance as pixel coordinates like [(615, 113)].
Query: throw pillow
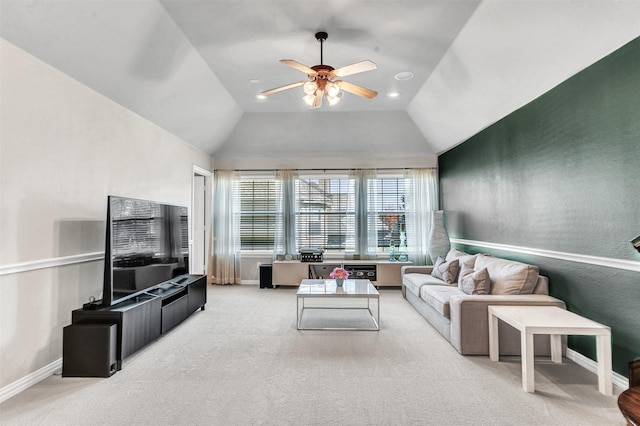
[(465, 259), (508, 276), (467, 262), (465, 269), (446, 271), (477, 282)]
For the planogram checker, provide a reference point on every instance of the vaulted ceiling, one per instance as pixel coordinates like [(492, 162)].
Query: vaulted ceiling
[(194, 67)]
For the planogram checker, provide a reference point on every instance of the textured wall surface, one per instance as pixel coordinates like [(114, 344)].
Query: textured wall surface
[(561, 174), (65, 148)]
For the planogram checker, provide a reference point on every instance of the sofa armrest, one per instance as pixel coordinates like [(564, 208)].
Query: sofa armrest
[(469, 316), (412, 269)]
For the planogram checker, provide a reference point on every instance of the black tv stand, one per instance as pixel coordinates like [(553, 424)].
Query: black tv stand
[(164, 287), (138, 320)]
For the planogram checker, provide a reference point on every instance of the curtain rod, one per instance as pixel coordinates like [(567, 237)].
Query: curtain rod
[(330, 170)]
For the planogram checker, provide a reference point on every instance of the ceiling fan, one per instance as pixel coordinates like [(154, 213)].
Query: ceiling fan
[(323, 80)]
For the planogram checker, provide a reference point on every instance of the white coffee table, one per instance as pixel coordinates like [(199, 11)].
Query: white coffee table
[(554, 321), (327, 290)]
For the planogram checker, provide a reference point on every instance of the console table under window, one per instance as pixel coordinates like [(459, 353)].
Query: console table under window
[(385, 272)]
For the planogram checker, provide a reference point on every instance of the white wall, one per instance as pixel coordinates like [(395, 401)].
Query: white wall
[(317, 139), (63, 149), (508, 54)]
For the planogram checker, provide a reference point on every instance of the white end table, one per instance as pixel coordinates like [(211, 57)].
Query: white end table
[(555, 322)]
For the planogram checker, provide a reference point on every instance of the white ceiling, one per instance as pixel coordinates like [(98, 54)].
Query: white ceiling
[(188, 65)]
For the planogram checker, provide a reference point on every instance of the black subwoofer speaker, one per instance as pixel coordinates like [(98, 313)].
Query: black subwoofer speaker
[(89, 350), (266, 276)]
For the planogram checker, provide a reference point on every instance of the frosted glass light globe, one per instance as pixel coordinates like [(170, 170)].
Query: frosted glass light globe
[(310, 87)]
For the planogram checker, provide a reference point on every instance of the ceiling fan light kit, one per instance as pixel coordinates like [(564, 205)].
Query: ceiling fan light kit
[(310, 87), (332, 89), (322, 80)]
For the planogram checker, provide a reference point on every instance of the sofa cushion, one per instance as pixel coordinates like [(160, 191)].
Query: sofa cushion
[(455, 254), (474, 282), (508, 276), (438, 297), (413, 282), (446, 271), (463, 258)]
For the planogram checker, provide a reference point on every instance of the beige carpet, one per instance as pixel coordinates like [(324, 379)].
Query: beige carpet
[(242, 362)]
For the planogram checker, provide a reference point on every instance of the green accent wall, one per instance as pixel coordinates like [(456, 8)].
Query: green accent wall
[(562, 173)]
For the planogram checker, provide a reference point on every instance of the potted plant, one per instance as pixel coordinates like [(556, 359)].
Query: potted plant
[(339, 274)]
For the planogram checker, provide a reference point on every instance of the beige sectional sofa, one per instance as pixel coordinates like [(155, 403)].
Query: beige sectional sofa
[(454, 299)]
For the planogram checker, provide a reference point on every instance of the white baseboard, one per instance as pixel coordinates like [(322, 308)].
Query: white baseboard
[(617, 379), (30, 380)]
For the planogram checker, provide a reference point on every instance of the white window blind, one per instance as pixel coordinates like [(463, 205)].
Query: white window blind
[(257, 213), (325, 213)]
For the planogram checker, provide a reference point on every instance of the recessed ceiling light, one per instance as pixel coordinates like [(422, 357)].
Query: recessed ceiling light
[(261, 97), (404, 75), (393, 94), (254, 81)]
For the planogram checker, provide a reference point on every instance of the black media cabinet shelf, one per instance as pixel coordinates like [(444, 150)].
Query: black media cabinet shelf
[(138, 322)]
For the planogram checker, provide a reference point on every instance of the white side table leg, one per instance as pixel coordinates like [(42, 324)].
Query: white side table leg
[(494, 346), (299, 312), (556, 348), (603, 352), (526, 348)]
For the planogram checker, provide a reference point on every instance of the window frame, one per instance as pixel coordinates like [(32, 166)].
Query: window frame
[(269, 179), (374, 209)]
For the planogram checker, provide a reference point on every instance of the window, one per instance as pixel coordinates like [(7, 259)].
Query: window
[(257, 213), (325, 211), (386, 207)]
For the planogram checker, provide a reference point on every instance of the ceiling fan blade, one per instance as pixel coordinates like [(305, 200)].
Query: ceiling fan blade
[(357, 90), (281, 88), (297, 65), (354, 69)]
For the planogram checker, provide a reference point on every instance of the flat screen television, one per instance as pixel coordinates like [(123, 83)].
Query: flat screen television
[(147, 245)]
